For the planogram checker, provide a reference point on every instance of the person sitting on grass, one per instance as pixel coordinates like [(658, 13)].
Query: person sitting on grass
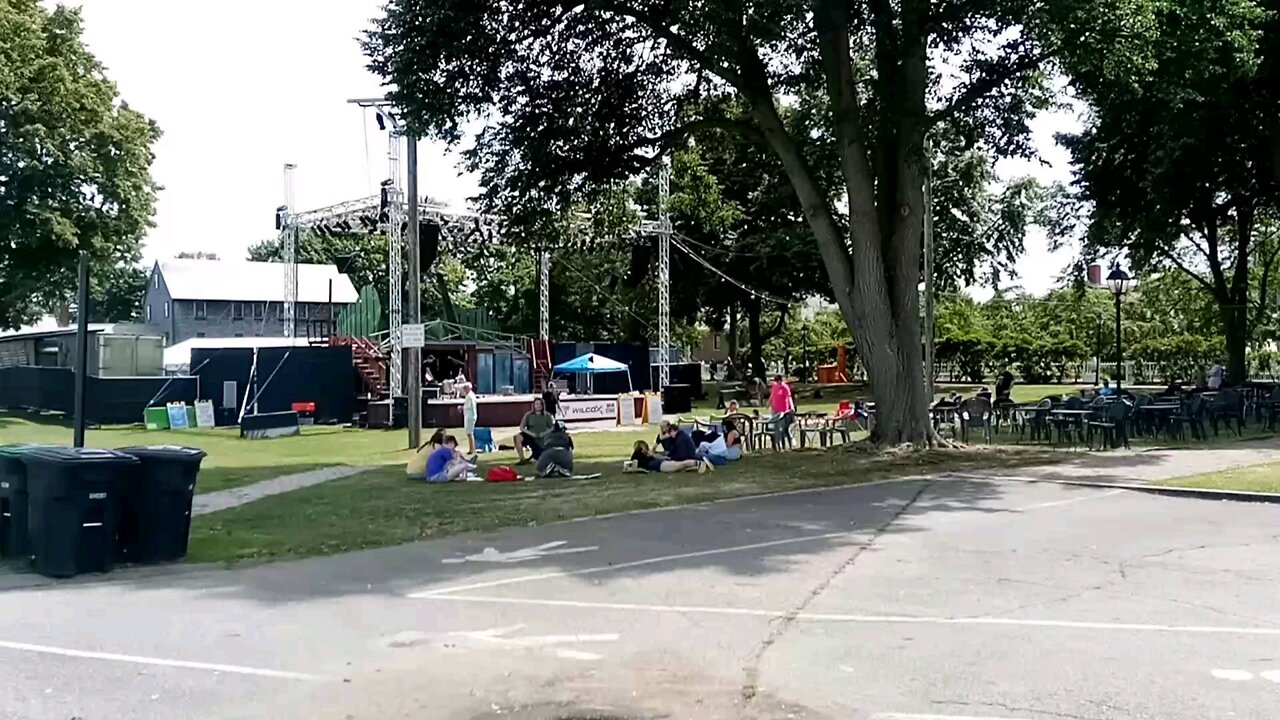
[(446, 464), (534, 427), (417, 465), (643, 460), (556, 459), (723, 447), (678, 445)]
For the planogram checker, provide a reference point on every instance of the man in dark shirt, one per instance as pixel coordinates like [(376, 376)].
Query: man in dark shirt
[(551, 398), (676, 443)]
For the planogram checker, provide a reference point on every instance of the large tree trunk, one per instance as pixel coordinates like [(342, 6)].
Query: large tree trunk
[(874, 266), (732, 334), (1235, 329), (755, 341)]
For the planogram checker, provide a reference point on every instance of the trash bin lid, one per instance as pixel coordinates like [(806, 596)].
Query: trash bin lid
[(76, 456), (164, 452), (17, 450)]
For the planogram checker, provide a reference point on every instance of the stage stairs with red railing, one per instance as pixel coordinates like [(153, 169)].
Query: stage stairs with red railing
[(540, 355), (369, 361)]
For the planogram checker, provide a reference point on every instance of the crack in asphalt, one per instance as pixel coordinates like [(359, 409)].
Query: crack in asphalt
[(750, 686), (1014, 709)]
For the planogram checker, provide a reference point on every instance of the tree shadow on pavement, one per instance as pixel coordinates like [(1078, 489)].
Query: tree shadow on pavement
[(749, 537)]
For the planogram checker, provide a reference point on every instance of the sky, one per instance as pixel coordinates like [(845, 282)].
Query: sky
[(240, 88)]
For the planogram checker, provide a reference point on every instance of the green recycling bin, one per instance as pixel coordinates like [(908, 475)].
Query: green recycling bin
[(14, 507), (72, 494), (155, 506)]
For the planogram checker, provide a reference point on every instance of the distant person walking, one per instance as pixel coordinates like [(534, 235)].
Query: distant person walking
[(551, 399), (1215, 377), (782, 403), (469, 414)]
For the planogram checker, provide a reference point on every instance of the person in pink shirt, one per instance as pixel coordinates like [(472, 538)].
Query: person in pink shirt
[(783, 405)]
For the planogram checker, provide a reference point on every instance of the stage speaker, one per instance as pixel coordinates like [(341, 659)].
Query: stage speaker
[(428, 243)]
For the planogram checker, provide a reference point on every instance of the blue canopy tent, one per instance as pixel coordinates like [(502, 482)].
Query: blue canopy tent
[(591, 365)]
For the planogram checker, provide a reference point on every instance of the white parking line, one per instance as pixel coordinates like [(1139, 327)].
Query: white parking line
[(916, 716), (868, 619), (622, 566), (163, 662), (1072, 501)]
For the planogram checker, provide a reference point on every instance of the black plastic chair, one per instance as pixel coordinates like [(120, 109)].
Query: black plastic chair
[(1190, 415), (1070, 427), (975, 413), (1227, 405), (1037, 421), (1112, 428)]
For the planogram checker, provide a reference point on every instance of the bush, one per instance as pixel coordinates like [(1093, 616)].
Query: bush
[(1182, 357), (970, 354)]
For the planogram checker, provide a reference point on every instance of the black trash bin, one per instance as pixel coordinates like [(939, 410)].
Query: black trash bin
[(155, 507), (14, 507), (73, 499)]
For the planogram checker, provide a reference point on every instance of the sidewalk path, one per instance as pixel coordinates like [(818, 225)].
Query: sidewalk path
[(225, 499), (1148, 466)]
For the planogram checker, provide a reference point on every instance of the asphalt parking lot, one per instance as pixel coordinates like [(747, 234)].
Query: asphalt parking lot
[(935, 599)]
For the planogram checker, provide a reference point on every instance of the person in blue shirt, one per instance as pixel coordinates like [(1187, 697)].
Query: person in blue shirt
[(445, 463), (1106, 390)]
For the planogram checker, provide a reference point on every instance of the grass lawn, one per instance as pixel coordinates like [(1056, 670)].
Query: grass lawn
[(1258, 478), (231, 461), (383, 507)]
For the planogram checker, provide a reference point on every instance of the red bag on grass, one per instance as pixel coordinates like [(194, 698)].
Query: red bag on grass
[(502, 473)]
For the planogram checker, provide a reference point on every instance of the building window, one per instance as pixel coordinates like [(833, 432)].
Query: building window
[(166, 309), (715, 341), (302, 310), (148, 313), (258, 310), (201, 309), (155, 280), (237, 311), (279, 311), (199, 334)]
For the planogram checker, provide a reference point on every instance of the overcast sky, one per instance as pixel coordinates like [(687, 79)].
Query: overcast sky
[(240, 88)]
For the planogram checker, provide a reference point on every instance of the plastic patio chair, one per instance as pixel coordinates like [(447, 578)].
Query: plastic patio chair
[(1228, 405), (975, 413), (1112, 428)]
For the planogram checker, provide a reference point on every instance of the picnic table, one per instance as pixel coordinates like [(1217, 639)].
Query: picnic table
[(1065, 421), (1156, 417)]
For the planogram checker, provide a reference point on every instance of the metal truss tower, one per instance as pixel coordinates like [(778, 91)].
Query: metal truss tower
[(664, 275), (544, 295), (395, 267), (289, 250)]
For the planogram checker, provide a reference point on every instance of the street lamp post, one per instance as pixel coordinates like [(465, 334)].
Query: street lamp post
[(1118, 281)]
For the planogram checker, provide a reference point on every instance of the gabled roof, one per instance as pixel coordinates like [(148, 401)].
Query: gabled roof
[(252, 281)]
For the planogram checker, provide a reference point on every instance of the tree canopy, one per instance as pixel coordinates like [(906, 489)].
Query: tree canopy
[(575, 97), (1176, 167), (74, 162)]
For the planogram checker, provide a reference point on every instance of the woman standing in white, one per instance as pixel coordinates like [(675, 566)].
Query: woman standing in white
[(469, 413)]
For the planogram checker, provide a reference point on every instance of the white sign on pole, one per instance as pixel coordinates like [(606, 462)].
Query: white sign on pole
[(413, 335), (204, 414)]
